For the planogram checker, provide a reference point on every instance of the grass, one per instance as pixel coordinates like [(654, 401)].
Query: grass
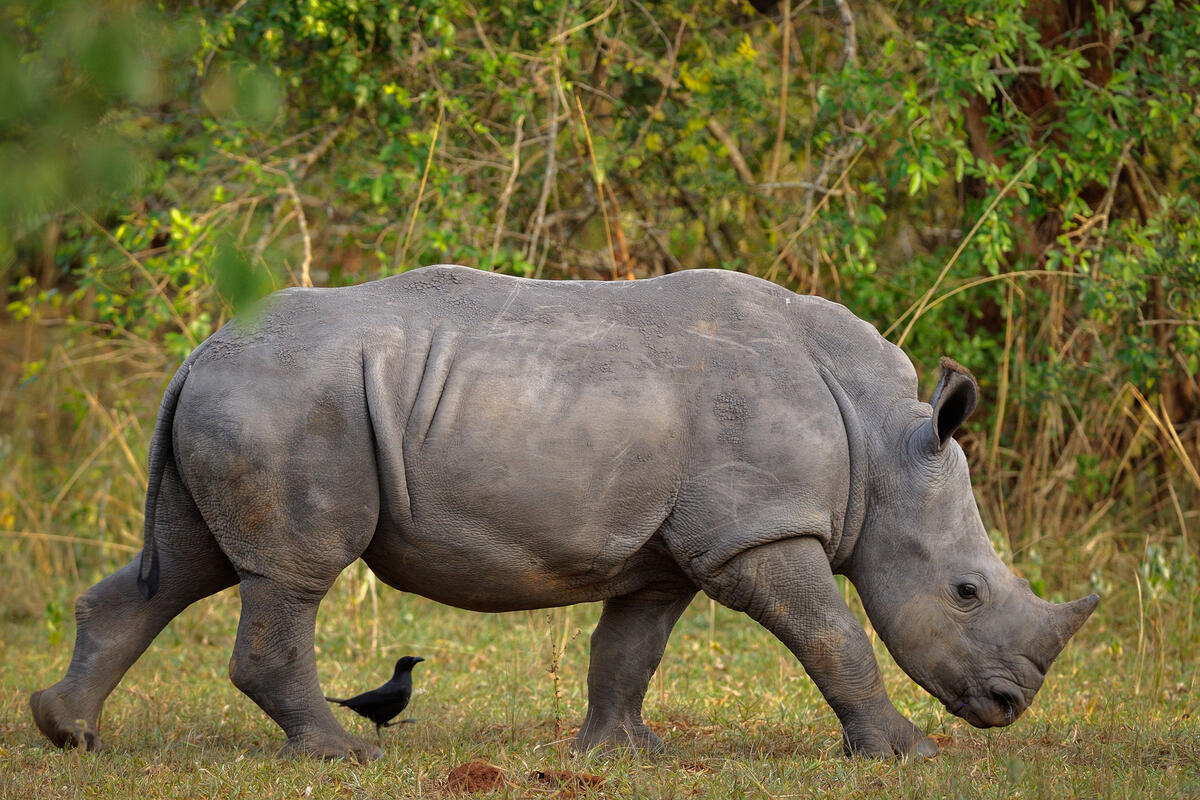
[(1116, 718), (739, 716)]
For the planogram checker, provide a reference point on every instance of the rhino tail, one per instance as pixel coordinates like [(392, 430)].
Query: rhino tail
[(161, 450)]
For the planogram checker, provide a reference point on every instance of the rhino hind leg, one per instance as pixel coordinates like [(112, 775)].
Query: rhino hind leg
[(787, 586), (274, 660), (626, 648), (283, 469), (288, 548), (114, 624), (274, 664)]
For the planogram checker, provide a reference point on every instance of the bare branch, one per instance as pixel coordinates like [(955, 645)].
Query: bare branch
[(812, 187), (539, 220), (307, 160), (561, 35), (785, 71), (508, 187), (599, 178), (402, 253), (667, 80), (850, 49), (735, 153), (298, 168), (306, 264)]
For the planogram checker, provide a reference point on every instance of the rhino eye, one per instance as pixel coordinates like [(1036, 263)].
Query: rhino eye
[(967, 591)]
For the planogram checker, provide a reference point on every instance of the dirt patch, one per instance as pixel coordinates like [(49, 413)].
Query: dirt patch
[(475, 776)]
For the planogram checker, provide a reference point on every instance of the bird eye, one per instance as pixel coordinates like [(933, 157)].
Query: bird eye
[(967, 591)]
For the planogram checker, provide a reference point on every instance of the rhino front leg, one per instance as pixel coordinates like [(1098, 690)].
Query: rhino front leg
[(627, 646), (788, 587)]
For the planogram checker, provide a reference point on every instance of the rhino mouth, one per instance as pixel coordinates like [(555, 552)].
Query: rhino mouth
[(994, 707)]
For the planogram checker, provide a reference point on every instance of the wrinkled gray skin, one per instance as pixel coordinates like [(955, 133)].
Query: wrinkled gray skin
[(496, 444)]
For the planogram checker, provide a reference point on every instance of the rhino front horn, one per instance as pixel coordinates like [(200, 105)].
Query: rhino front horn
[(1069, 617)]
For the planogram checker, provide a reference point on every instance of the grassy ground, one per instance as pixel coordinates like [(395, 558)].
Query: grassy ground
[(1113, 507), (1118, 716)]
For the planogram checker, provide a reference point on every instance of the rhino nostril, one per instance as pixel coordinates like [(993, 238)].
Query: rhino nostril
[(1008, 703)]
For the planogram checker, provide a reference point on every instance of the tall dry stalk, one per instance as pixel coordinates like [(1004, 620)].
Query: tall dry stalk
[(74, 449)]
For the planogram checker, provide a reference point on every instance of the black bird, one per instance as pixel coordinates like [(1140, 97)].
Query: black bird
[(382, 704)]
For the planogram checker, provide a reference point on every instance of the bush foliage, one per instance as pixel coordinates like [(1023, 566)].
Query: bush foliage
[(1015, 185)]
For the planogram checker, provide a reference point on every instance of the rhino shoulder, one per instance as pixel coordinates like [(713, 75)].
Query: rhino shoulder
[(852, 350)]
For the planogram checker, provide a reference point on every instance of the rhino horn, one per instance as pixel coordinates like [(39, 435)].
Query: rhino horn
[(1064, 620), (1069, 617)]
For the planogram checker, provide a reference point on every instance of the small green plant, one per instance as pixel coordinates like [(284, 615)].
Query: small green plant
[(54, 623)]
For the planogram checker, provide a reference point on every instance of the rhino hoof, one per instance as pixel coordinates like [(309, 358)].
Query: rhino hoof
[(329, 746), (49, 714), (639, 739), (904, 741)]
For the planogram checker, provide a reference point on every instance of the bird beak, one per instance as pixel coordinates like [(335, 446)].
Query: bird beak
[(417, 658)]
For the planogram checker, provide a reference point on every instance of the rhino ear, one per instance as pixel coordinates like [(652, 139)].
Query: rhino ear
[(954, 398)]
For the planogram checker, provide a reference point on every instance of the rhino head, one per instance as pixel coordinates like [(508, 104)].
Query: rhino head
[(953, 616)]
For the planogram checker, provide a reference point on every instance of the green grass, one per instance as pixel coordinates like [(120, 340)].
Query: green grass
[(1118, 716)]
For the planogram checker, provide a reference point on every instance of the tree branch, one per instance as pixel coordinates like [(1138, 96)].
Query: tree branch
[(785, 71), (850, 49), (735, 153), (508, 189)]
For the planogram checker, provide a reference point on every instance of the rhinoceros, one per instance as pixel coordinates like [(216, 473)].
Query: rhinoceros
[(499, 443)]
